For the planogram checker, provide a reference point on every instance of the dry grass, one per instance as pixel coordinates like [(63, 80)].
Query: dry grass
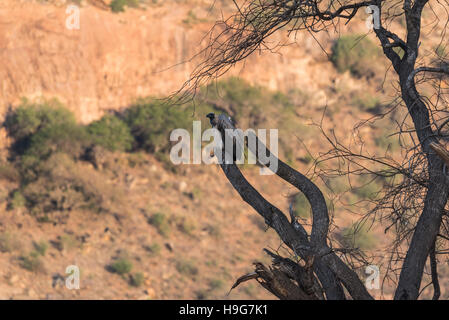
[(68, 185)]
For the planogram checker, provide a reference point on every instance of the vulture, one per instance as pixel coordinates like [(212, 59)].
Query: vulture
[(222, 123)]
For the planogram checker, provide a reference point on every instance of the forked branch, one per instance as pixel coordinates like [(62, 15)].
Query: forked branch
[(330, 269)]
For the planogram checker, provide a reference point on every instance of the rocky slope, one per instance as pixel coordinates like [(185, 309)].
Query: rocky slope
[(113, 59)]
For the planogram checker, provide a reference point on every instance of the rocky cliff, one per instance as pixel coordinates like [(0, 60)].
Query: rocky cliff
[(113, 58)]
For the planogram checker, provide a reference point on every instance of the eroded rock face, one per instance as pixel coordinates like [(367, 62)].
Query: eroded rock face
[(115, 58), (108, 62)]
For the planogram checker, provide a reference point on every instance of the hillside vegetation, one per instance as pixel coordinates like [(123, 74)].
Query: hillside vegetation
[(59, 169), (89, 182)]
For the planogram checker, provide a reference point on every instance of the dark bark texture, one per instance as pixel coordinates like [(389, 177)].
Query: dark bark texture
[(324, 274)]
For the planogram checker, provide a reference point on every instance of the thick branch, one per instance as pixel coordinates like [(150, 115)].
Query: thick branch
[(433, 269), (442, 152), (317, 250), (429, 222), (411, 77)]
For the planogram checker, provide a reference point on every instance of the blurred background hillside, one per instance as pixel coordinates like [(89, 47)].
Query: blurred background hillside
[(85, 177)]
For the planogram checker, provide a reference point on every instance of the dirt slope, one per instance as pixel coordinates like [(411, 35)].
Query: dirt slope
[(109, 62)]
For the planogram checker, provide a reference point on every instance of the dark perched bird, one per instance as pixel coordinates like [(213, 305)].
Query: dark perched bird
[(225, 122), (213, 121)]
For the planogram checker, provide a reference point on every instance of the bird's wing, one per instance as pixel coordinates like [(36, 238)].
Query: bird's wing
[(225, 122)]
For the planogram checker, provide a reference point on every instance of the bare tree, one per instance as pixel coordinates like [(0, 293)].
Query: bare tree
[(322, 271)]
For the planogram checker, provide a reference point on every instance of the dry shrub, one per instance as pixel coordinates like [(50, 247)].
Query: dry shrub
[(9, 172), (65, 185), (9, 242)]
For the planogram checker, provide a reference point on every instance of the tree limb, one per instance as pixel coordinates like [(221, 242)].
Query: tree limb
[(317, 248), (433, 269)]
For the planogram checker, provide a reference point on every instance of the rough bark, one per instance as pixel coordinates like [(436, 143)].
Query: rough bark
[(328, 266), (430, 219)]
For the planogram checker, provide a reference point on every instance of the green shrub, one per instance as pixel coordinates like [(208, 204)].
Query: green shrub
[(133, 3), (69, 138), (38, 131), (291, 127), (137, 279), (119, 5), (357, 236), (137, 159), (251, 107), (17, 200), (186, 267), (307, 159), (67, 241), (355, 53), (197, 193), (301, 207), (41, 247), (367, 188), (160, 222), (367, 191), (151, 123), (337, 184), (186, 226), (192, 19), (9, 243), (154, 249), (384, 142), (367, 103), (213, 230), (215, 284), (249, 290), (121, 266), (42, 130), (32, 262), (246, 101), (29, 118), (111, 133), (385, 136)]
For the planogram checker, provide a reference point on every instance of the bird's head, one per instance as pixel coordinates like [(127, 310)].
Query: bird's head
[(211, 117)]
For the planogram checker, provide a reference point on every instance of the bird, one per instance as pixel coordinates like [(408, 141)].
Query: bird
[(213, 121), (225, 122)]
